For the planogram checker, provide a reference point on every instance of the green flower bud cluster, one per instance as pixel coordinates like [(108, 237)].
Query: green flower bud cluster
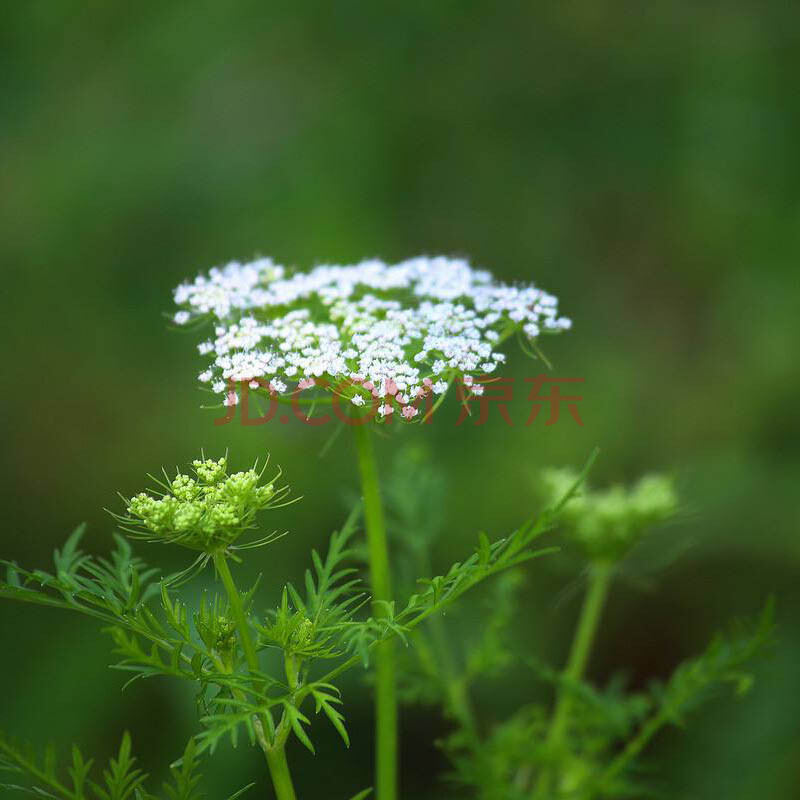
[(218, 633), (293, 632), (607, 523), (302, 634), (207, 512)]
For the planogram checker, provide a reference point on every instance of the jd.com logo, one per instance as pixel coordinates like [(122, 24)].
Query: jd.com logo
[(497, 391)]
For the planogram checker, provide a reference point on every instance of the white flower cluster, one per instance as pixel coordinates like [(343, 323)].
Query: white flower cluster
[(393, 331)]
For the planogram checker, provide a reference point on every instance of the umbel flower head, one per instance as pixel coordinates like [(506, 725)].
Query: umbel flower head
[(385, 332), (607, 523), (207, 511)]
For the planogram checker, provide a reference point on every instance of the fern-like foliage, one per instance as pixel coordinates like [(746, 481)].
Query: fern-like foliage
[(515, 758), (725, 662), (312, 627), (108, 589), (323, 623), (156, 634), (152, 629), (120, 780), (608, 728)]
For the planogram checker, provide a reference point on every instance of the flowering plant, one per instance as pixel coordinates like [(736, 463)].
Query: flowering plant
[(401, 333), (372, 333)]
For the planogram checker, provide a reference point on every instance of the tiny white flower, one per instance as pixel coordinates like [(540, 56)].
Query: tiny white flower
[(531, 330), (182, 317), (357, 400)]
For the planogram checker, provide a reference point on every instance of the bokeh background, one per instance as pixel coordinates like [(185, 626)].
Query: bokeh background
[(640, 160)]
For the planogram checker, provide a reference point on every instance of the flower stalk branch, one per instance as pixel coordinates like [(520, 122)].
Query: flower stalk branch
[(276, 752), (386, 756), (600, 574)]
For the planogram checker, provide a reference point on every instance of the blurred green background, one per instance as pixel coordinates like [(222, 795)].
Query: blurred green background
[(639, 160)]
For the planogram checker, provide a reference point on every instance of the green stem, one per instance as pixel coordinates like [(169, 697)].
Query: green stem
[(279, 772), (593, 602), (276, 753), (634, 747), (385, 695), (237, 609)]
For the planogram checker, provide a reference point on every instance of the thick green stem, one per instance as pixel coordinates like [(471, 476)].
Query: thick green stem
[(385, 694), (276, 753), (599, 582), (279, 772)]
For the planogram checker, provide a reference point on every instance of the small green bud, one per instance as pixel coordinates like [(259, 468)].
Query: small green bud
[(210, 471), (302, 634), (218, 632), (606, 524)]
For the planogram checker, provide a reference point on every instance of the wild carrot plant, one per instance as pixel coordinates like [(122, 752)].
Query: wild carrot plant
[(379, 336), (386, 342)]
